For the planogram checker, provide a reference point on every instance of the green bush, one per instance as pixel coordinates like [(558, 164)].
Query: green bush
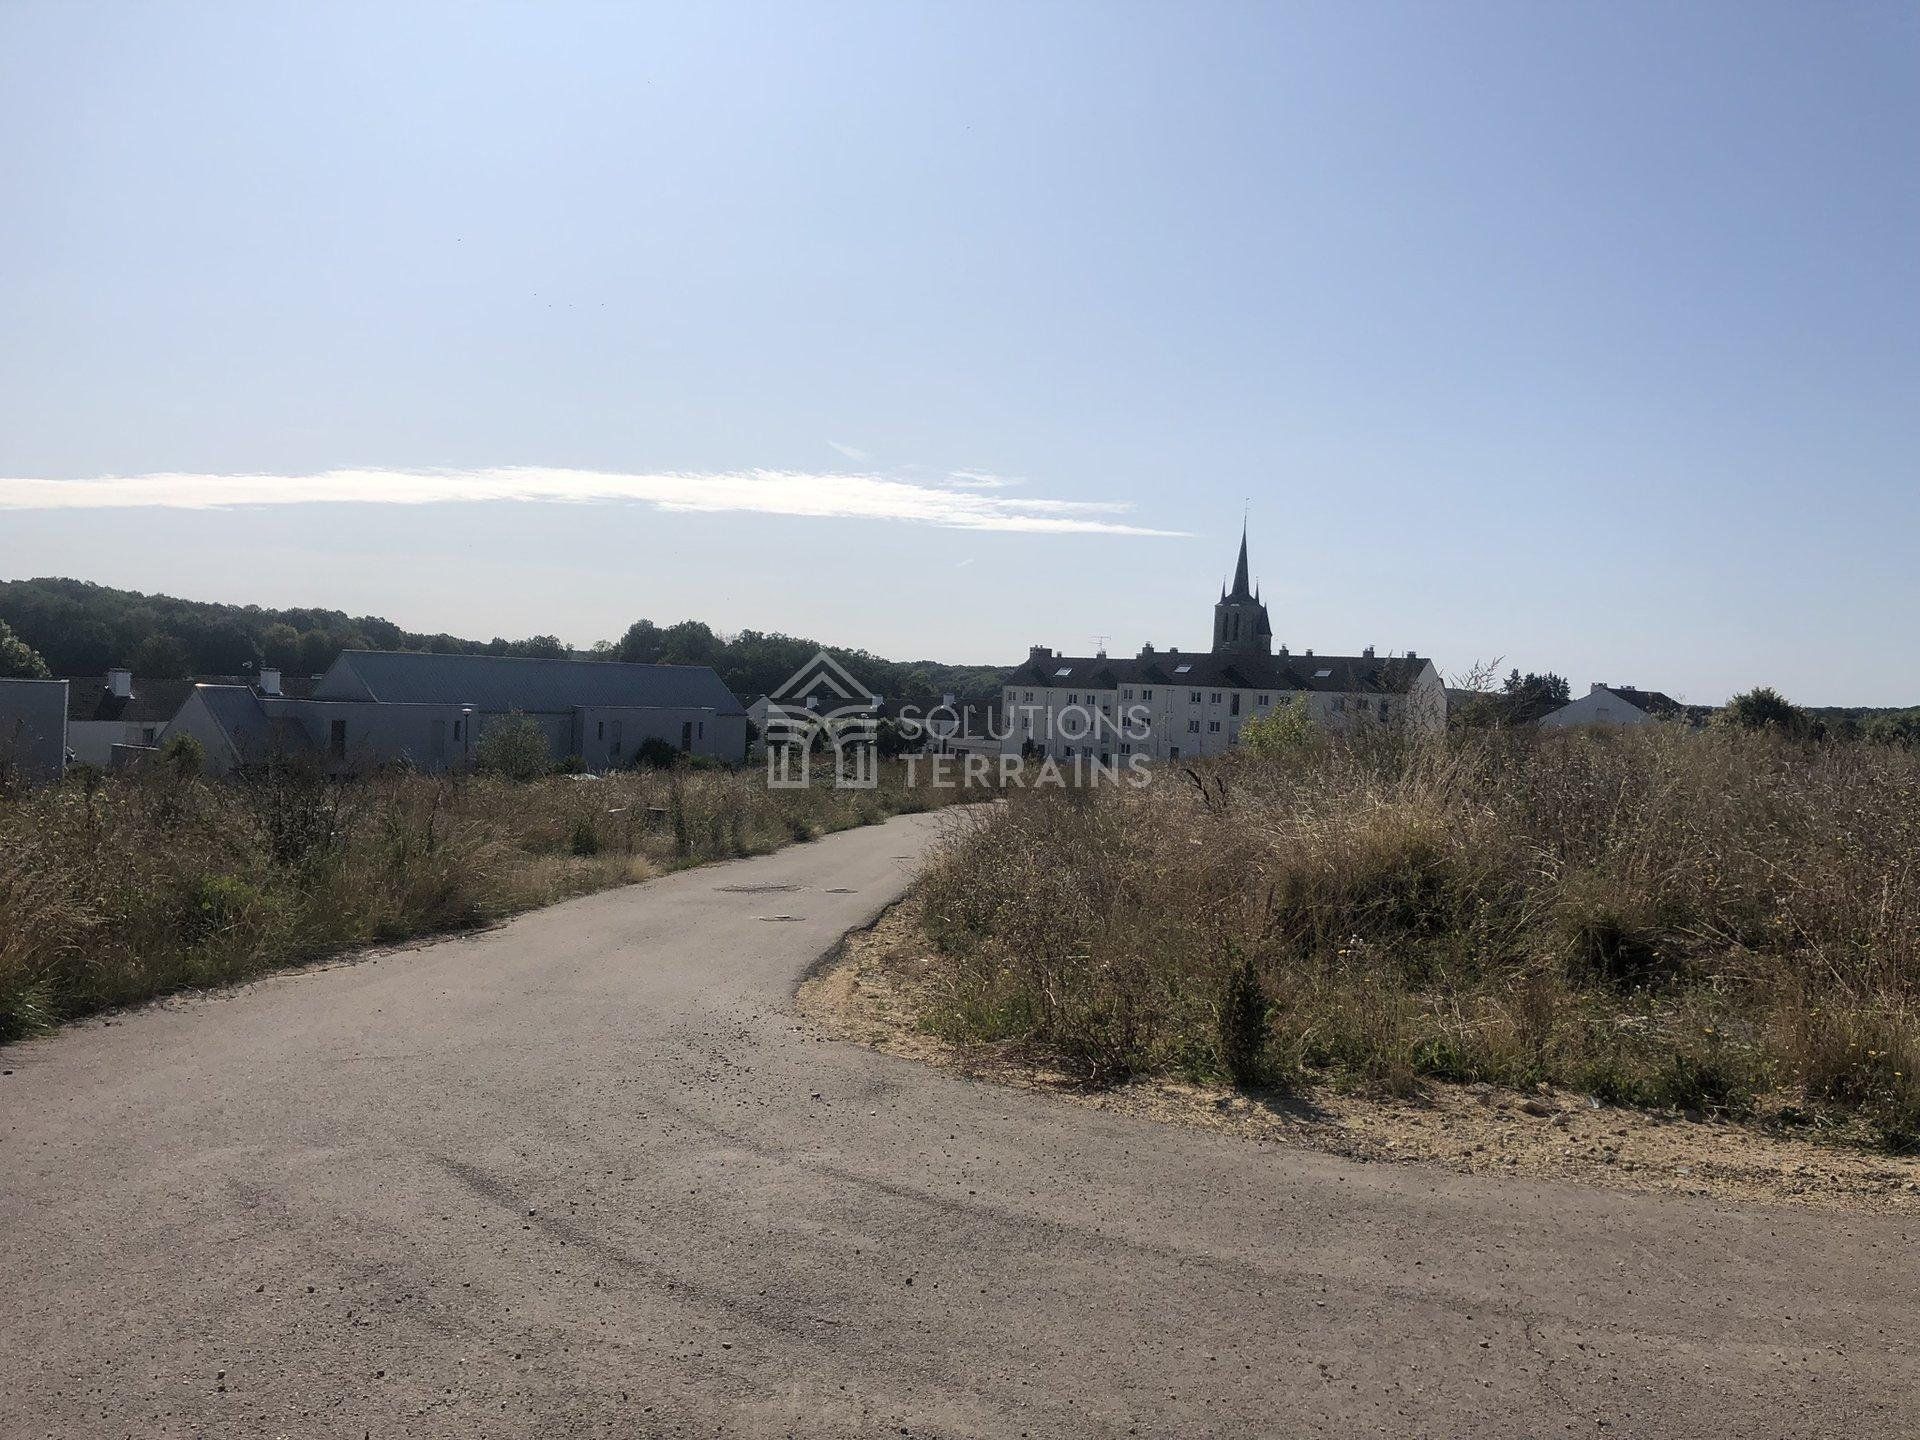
[(514, 748)]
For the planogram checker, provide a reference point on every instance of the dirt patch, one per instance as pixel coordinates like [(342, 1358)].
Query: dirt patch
[(874, 993)]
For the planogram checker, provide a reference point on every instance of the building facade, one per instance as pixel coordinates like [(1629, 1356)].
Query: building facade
[(1175, 705), (1617, 705), (375, 708), (33, 730)]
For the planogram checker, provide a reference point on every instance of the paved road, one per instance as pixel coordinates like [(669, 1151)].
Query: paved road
[(583, 1175)]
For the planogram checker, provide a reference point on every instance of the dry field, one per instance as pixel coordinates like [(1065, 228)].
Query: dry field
[(1715, 924)]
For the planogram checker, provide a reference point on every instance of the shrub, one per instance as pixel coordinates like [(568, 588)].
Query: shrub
[(1243, 1024), (183, 756), (1648, 916), (514, 748), (655, 754), (1287, 729)]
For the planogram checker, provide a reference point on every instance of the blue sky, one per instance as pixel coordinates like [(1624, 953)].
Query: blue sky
[(1583, 336)]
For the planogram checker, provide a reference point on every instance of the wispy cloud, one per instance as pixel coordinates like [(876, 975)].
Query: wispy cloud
[(850, 451), (949, 504), (979, 480)]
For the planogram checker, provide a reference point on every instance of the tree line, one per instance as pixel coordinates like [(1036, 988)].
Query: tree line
[(79, 628)]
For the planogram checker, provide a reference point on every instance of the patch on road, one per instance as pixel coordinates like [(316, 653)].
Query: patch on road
[(753, 889)]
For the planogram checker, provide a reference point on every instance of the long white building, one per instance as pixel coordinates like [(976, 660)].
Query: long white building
[(1175, 704)]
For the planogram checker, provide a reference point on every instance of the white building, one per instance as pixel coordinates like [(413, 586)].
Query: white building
[(1614, 705), (1174, 704)]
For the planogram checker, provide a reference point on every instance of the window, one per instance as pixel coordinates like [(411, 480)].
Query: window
[(1383, 709), (1146, 694), (1261, 700), (1321, 674), (459, 729), (1233, 735), (1173, 752), (337, 739), (148, 735), (1073, 699), (599, 729), (1214, 699), (1193, 727), (1213, 727), (1063, 672), (1181, 669), (1126, 748), (1027, 696), (1126, 694), (1193, 697), (1233, 707)]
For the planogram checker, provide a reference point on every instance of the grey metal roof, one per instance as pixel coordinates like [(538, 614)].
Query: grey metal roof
[(498, 683), (91, 699)]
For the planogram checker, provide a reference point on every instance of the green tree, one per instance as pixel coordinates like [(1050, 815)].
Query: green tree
[(1896, 727), (1764, 708), (1287, 729), (18, 660), (515, 747), (641, 644), (162, 657)]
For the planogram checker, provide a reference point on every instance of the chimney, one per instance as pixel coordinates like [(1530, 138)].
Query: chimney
[(1039, 653), (946, 700), (1309, 652), (1284, 651), (120, 683), (1596, 687), (1146, 650), (1368, 653), (1412, 654), (269, 682), (1101, 653)]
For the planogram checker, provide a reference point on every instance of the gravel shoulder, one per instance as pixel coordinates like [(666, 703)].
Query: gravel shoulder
[(874, 989)]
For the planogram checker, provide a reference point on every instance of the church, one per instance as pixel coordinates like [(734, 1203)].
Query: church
[(1179, 704)]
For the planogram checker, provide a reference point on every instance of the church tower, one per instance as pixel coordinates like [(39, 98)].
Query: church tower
[(1240, 620)]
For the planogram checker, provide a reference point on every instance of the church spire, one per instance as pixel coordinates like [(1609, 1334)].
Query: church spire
[(1240, 625), (1241, 589)]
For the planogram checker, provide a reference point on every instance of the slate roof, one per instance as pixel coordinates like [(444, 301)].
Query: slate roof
[(1338, 674), (499, 683), (1653, 702), (154, 701)]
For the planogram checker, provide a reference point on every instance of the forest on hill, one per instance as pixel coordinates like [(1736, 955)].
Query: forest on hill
[(80, 628)]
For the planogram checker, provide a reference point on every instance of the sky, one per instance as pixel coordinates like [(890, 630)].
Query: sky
[(1581, 338)]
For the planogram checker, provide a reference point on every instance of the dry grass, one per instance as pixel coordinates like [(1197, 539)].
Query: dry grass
[(1715, 921), (115, 891)]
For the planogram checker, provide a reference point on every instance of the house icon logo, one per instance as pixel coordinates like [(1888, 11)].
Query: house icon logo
[(821, 706)]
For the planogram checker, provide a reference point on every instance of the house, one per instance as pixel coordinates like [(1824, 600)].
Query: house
[(124, 712), (1614, 705), (1174, 704), (946, 725), (33, 729), (375, 707)]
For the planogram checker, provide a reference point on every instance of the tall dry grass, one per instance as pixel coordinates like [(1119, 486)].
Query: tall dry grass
[(118, 889), (1654, 917)]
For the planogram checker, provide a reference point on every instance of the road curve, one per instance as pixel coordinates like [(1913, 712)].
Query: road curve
[(585, 1175)]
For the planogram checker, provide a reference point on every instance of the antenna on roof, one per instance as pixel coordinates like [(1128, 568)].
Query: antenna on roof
[(1100, 644)]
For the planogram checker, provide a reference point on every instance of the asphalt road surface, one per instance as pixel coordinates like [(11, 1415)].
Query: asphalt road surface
[(584, 1175)]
